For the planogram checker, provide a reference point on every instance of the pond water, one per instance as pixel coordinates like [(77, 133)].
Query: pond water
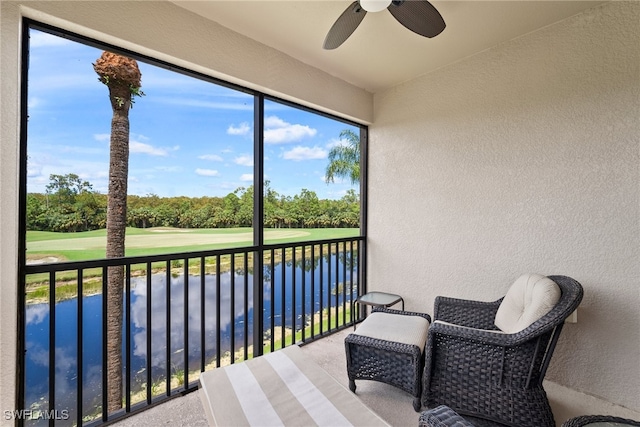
[(66, 316)]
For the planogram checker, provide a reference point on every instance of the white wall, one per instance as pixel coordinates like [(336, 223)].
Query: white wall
[(160, 30), (523, 158)]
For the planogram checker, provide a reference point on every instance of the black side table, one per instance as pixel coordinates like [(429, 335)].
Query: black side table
[(376, 299)]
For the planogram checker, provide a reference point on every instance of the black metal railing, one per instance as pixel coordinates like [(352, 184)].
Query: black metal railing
[(183, 314)]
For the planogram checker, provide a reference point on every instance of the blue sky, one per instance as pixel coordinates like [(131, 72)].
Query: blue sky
[(187, 137)]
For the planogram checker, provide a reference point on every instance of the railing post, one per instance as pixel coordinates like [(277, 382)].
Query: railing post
[(52, 343), (258, 224)]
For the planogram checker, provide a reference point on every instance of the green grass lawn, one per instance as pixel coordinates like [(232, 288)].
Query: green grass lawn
[(153, 241)]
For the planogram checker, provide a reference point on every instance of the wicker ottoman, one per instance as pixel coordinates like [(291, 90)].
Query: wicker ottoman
[(388, 347)]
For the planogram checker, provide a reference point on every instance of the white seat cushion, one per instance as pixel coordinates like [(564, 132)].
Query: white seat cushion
[(400, 328), (529, 298)]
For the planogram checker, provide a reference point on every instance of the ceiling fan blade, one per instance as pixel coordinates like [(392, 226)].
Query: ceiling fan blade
[(419, 16), (344, 26)]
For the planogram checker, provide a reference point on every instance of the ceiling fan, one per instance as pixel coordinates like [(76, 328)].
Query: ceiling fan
[(418, 16)]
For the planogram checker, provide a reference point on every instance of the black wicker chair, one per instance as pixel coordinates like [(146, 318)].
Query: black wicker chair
[(442, 416), (493, 376), (386, 361), (600, 420)]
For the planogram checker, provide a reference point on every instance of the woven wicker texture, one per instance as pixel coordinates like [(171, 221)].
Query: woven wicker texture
[(497, 377), (600, 420), (442, 416), (394, 363)]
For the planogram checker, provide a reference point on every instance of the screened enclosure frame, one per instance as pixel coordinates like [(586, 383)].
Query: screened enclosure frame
[(258, 228)]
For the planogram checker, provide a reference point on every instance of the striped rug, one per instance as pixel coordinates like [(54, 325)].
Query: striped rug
[(283, 388)]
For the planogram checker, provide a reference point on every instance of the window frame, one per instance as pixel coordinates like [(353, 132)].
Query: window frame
[(258, 153)]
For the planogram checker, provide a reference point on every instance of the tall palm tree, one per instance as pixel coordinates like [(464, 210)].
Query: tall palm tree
[(123, 78), (344, 160)]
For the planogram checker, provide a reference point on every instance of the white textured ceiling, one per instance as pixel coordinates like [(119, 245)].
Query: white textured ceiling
[(382, 53)]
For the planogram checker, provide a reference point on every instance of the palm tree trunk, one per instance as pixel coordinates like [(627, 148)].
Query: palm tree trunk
[(116, 228), (122, 76)]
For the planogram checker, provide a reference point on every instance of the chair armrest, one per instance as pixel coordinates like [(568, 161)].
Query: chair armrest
[(473, 314), (492, 337), (404, 313)]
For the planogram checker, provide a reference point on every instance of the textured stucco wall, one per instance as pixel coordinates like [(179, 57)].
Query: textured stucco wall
[(9, 134), (160, 30), (523, 158)]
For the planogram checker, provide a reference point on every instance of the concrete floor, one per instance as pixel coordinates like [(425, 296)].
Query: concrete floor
[(392, 404)]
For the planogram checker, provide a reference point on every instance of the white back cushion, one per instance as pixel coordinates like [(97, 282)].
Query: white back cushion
[(529, 298)]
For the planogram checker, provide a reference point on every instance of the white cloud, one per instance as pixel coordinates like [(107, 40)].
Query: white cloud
[(136, 146), (207, 172), (274, 122), (33, 170), (277, 131), (211, 157), (335, 142), (141, 147), (242, 129), (246, 177), (244, 160), (305, 153), (40, 168)]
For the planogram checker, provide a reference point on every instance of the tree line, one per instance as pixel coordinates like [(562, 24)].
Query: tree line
[(71, 205)]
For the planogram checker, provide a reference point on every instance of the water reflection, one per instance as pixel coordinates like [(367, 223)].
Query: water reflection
[(236, 292), (230, 311)]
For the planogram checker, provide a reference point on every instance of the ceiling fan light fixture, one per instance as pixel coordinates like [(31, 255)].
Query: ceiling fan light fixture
[(418, 16), (374, 5)]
